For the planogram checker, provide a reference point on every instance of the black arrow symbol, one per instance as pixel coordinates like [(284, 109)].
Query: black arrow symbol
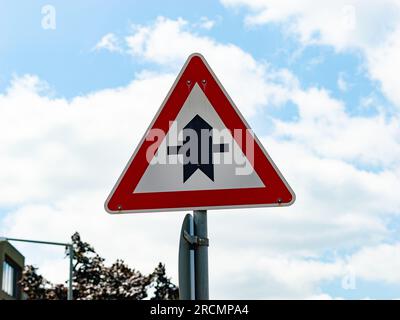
[(197, 148)]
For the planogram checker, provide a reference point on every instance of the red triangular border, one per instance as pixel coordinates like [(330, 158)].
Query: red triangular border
[(276, 193)]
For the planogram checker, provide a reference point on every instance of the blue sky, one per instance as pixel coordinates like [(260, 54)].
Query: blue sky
[(65, 57), (66, 60), (320, 93)]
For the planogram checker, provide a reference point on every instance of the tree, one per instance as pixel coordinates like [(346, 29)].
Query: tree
[(93, 280), (38, 288), (164, 288)]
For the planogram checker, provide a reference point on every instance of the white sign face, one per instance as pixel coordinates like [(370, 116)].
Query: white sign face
[(231, 168)]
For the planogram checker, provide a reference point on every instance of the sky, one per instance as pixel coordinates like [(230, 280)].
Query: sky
[(317, 81)]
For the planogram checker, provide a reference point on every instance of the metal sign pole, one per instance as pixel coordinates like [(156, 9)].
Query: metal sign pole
[(71, 267), (201, 254), (186, 259)]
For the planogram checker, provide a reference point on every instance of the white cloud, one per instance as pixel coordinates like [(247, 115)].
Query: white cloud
[(206, 23), (52, 146), (343, 23), (109, 42), (371, 27), (384, 65), (280, 276), (378, 263), (271, 276), (252, 84), (63, 157), (326, 129)]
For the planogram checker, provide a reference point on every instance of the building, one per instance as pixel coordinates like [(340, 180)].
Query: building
[(11, 266)]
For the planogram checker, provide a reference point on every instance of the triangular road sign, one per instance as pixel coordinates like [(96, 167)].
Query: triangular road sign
[(198, 153)]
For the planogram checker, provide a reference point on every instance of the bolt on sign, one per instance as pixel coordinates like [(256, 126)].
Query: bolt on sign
[(197, 154)]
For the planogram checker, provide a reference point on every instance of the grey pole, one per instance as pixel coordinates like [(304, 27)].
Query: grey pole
[(201, 255), (186, 260), (71, 259)]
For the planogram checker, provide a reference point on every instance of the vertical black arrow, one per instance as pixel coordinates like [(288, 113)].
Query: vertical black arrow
[(204, 162), (203, 144)]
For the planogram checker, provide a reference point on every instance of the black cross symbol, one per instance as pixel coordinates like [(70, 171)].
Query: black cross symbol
[(203, 162)]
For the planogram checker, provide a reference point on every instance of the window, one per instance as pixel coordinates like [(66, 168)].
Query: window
[(9, 279)]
